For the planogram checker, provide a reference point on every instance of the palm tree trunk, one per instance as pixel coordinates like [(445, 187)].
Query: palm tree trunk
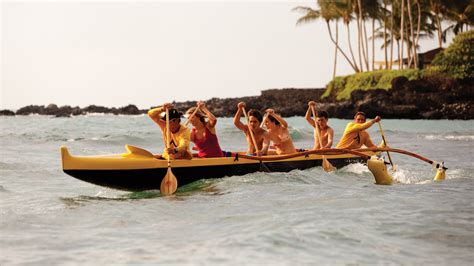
[(385, 35), (418, 28), (392, 38), (338, 47), (350, 46), (359, 38), (440, 31), (402, 29), (408, 43), (363, 36), (366, 46), (399, 55), (373, 44), (412, 35), (335, 52)]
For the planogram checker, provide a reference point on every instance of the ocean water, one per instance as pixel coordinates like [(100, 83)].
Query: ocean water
[(302, 217)]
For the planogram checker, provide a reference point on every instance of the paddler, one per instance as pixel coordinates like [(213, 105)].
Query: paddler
[(254, 121), (278, 134), (180, 135), (326, 132), (355, 136), (203, 133)]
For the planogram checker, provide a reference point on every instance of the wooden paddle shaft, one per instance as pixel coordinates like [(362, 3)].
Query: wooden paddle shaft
[(168, 133), (250, 130), (318, 132), (385, 143), (191, 116), (265, 117)]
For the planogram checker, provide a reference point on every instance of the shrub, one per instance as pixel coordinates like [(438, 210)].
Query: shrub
[(458, 59), (342, 87)]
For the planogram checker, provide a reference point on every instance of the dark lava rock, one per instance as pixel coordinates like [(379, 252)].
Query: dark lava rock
[(7, 113), (399, 82), (129, 110), (31, 109)]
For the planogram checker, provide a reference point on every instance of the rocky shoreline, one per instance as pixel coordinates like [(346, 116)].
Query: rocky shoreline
[(426, 98)]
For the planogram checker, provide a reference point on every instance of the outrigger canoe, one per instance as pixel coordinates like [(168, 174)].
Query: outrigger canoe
[(138, 169)]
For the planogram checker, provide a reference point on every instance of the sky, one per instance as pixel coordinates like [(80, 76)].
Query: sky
[(115, 53)]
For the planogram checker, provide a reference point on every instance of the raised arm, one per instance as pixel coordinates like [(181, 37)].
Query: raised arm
[(359, 127), (155, 113), (237, 116), (308, 114), (278, 118), (210, 116)]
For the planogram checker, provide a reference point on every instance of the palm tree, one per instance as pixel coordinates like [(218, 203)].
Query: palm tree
[(460, 13), (345, 10), (436, 6), (371, 10), (412, 48), (328, 12), (402, 20)]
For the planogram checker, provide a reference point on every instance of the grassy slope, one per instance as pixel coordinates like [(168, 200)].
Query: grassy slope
[(342, 86)]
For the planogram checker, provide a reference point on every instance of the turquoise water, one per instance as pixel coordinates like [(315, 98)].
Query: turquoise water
[(301, 217)]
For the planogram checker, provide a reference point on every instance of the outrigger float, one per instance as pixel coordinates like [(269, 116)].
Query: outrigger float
[(138, 169)]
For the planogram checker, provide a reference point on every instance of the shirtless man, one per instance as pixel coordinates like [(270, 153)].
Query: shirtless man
[(277, 133), (355, 135), (326, 132), (255, 118)]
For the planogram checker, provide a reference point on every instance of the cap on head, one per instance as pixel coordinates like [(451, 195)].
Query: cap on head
[(173, 114)]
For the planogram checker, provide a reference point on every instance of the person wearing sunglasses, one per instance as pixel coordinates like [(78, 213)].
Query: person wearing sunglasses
[(355, 136), (179, 134)]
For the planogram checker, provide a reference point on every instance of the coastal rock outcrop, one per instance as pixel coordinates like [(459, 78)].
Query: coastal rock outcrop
[(7, 113), (431, 97)]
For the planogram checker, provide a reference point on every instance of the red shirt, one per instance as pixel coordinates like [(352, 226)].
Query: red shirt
[(208, 146)]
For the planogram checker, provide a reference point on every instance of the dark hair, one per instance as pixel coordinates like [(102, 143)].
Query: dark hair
[(360, 113), (274, 120), (256, 114), (322, 114)]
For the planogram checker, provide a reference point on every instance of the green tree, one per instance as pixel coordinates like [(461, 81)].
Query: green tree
[(458, 59)]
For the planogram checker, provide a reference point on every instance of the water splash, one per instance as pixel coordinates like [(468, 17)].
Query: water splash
[(450, 137)]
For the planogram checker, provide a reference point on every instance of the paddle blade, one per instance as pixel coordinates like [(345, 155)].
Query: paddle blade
[(138, 151), (169, 184), (327, 166)]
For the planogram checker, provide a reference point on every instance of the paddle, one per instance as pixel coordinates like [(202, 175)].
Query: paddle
[(138, 151), (169, 184), (394, 167), (265, 117), (327, 166), (250, 130), (190, 117)]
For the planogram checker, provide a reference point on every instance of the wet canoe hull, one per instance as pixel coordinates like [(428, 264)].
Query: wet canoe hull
[(133, 172)]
